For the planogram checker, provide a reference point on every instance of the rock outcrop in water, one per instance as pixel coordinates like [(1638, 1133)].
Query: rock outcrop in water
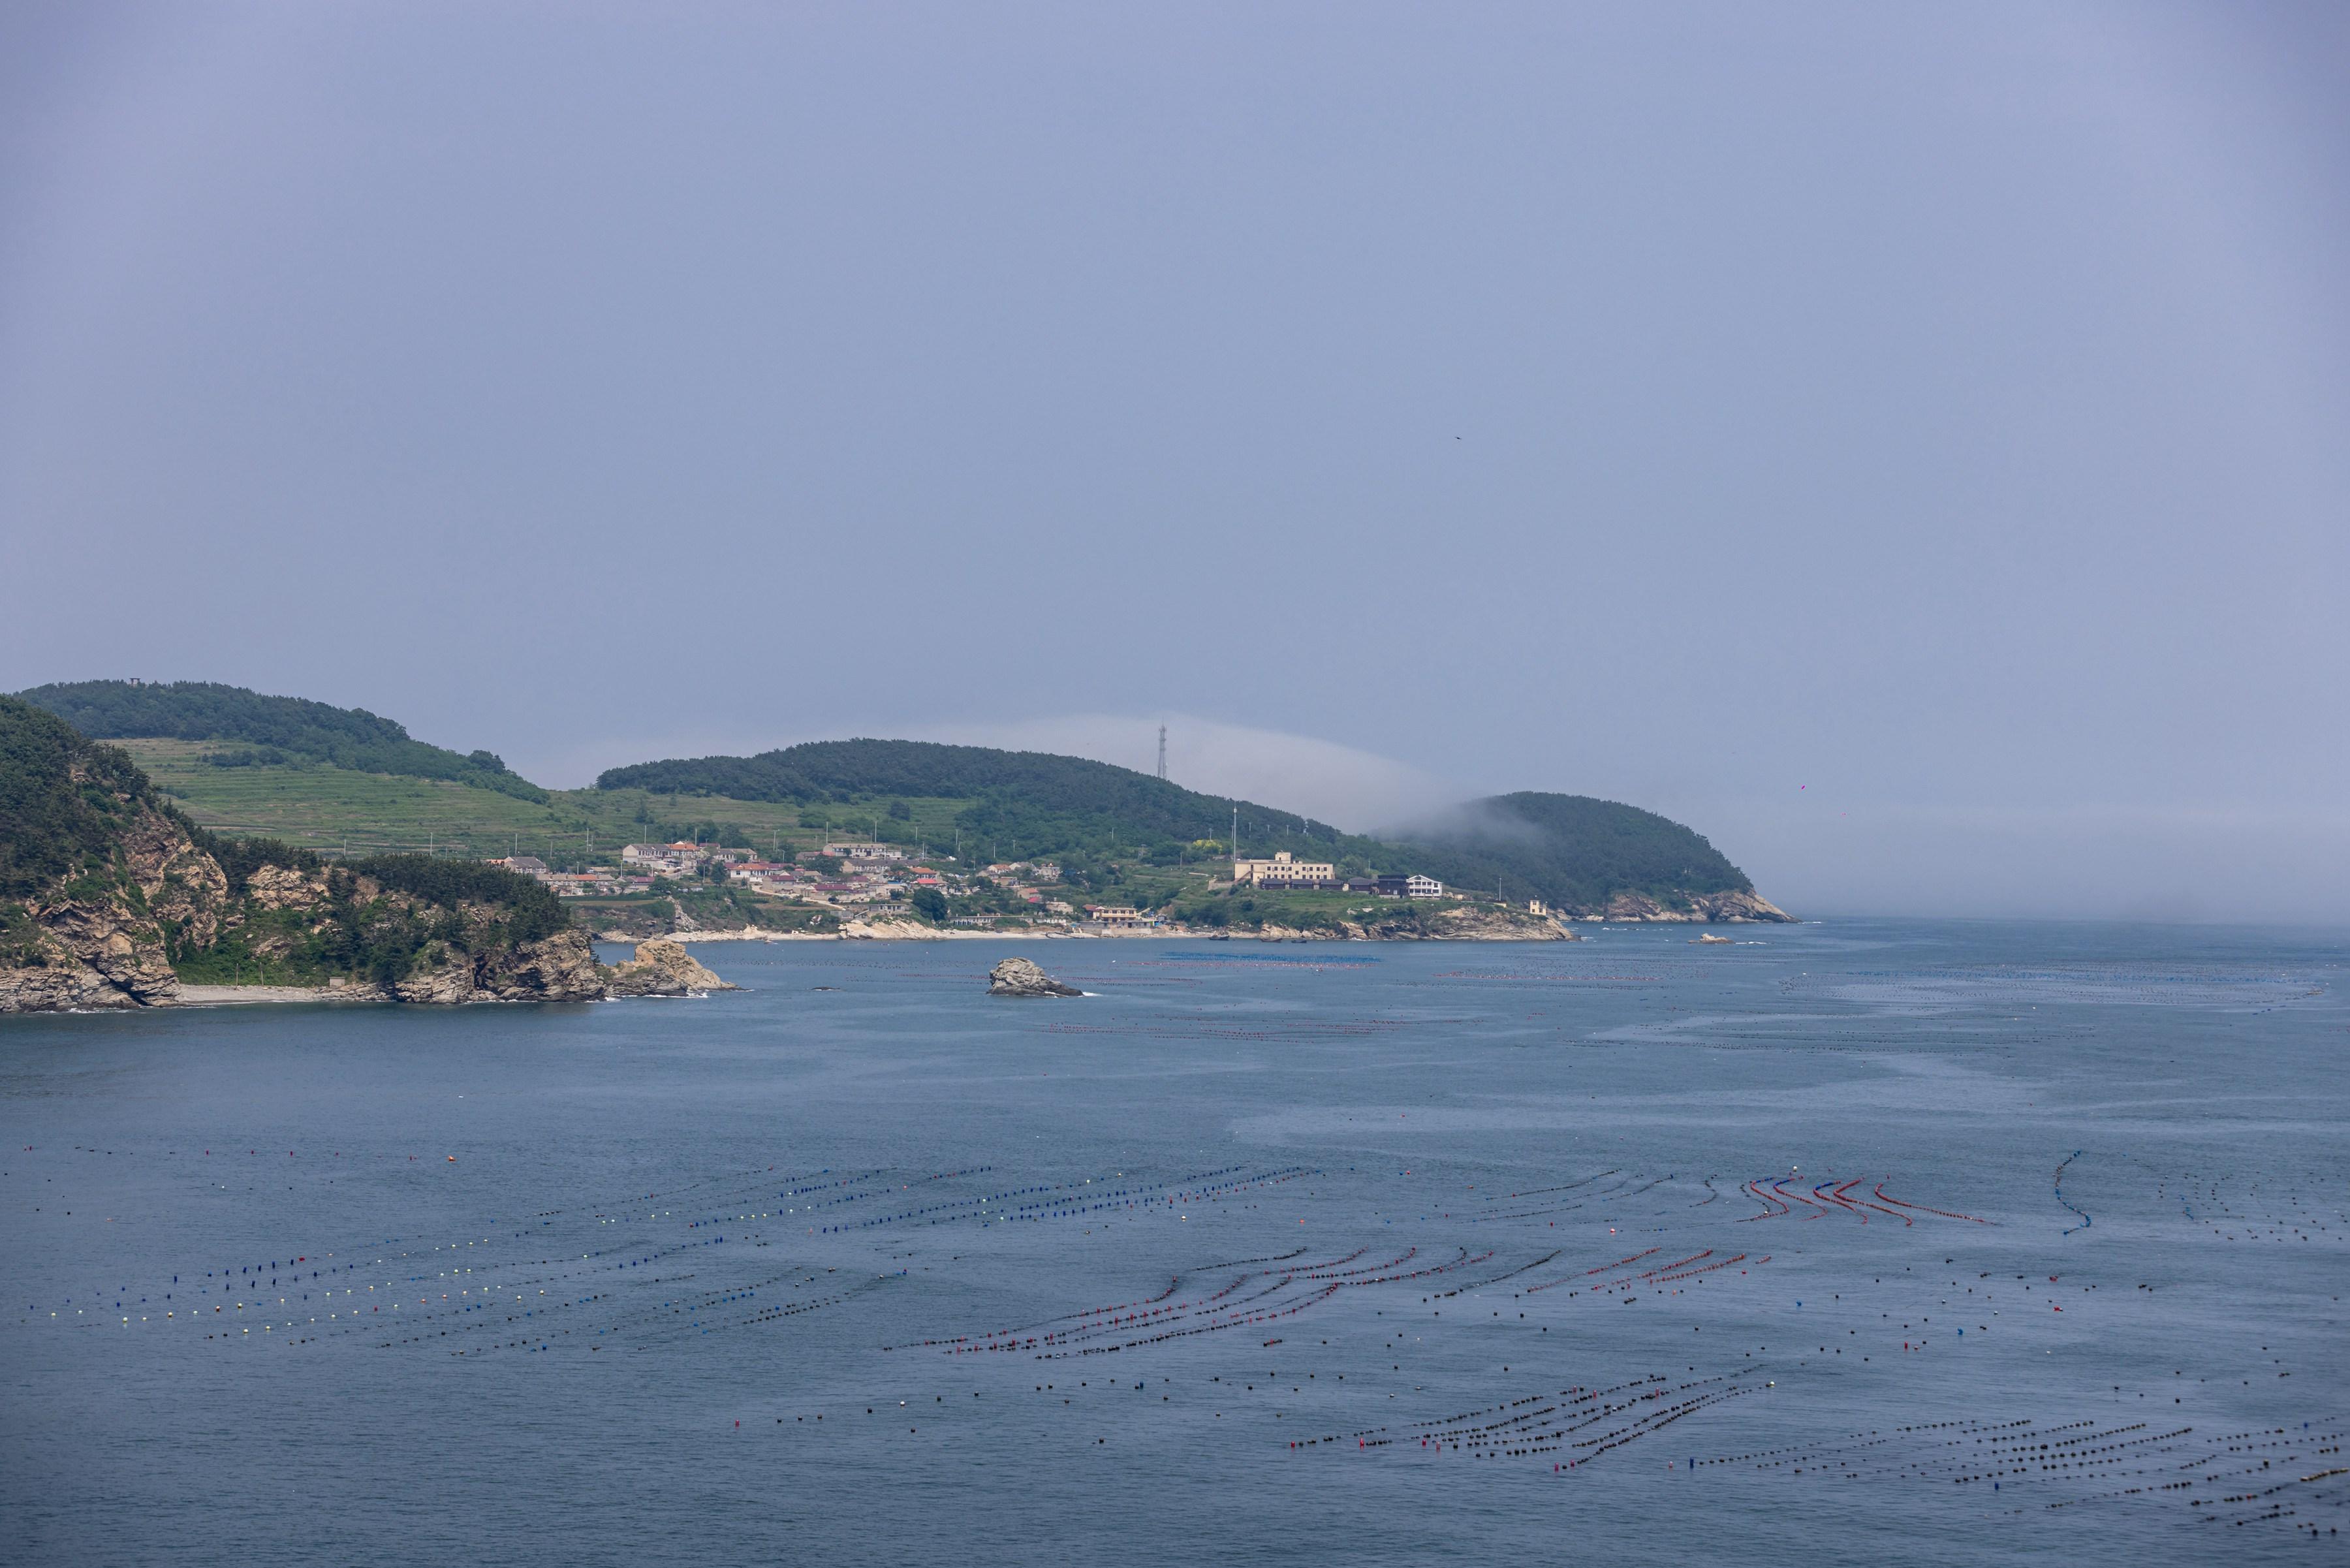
[(1020, 977), (662, 967)]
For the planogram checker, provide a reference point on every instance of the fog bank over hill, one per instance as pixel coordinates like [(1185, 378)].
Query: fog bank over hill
[(1359, 791), (1815, 847)]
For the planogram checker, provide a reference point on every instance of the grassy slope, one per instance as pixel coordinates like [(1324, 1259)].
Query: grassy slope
[(339, 809), (260, 728)]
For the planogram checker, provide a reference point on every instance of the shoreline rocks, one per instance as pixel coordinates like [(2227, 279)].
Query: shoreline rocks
[(1702, 909)]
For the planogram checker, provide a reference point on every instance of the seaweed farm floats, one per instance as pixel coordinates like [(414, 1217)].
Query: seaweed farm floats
[(2017, 1259)]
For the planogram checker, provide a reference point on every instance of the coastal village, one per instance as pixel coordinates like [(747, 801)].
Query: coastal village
[(868, 888)]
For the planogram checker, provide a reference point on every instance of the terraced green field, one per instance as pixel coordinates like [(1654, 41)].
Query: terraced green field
[(337, 809)]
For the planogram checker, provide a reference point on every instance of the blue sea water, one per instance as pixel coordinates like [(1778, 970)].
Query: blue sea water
[(1852, 1243)]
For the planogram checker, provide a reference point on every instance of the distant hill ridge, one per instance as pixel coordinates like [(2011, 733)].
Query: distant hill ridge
[(282, 729), (1580, 856), (1581, 853), (1575, 853), (1035, 782)]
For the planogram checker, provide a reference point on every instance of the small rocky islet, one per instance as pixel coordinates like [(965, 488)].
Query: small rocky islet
[(1021, 977)]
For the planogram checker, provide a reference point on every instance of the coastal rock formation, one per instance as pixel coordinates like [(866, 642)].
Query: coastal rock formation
[(662, 968), (94, 934), (1474, 925), (1734, 908), (107, 895), (885, 928), (1742, 907), (560, 967), (98, 952), (1414, 922), (49, 978), (1020, 977)]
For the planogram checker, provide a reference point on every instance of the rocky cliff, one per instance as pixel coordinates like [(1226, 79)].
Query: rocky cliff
[(94, 869), (1425, 923), (1736, 906), (108, 899)]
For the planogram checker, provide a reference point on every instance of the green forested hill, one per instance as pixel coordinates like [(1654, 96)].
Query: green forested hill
[(64, 802), (1026, 803), (268, 731), (1573, 851)]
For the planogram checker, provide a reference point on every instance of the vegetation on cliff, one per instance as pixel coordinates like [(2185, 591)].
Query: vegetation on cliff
[(268, 731), (64, 802), (108, 897), (299, 920)]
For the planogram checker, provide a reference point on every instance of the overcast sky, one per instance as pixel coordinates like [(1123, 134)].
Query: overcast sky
[(1908, 444)]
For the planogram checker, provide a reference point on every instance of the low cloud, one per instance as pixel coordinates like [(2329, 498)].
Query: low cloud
[(1477, 821), (1350, 789), (2123, 863)]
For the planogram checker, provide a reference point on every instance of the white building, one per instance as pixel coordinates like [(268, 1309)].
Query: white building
[(862, 850), (1419, 887), (1283, 868)]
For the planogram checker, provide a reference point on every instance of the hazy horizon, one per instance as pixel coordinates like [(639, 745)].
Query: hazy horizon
[(1907, 448)]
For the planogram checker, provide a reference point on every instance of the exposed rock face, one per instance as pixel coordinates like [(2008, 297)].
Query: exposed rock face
[(1445, 923), (1736, 908), (662, 968), (1021, 977), (100, 941), (883, 928), (1473, 925), (271, 887), (100, 928), (55, 980), (94, 952), (560, 968)]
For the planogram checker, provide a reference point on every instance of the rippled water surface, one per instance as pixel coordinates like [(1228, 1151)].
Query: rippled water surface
[(1858, 1244)]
